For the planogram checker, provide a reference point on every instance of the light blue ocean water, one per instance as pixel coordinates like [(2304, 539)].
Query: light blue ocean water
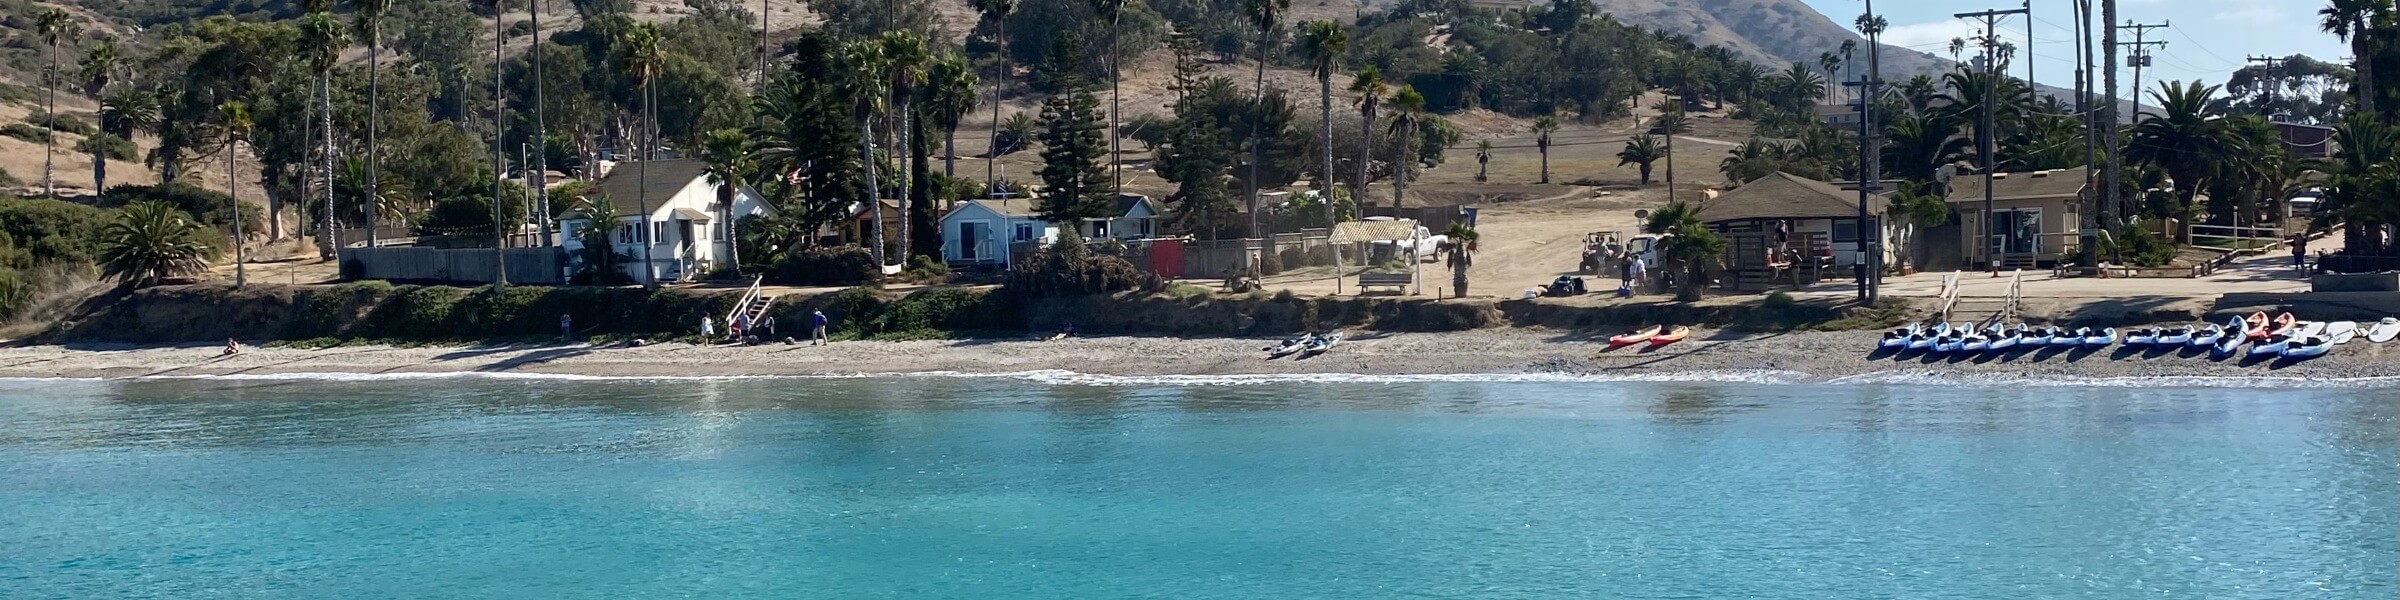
[(1006, 489)]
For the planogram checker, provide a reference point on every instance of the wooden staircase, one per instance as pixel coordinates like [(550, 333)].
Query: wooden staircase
[(754, 304)]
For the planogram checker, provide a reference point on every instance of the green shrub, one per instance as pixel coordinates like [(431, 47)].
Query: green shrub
[(111, 146), (1778, 299), (27, 132), (328, 312), (412, 313), (64, 124), (848, 265), (54, 230)]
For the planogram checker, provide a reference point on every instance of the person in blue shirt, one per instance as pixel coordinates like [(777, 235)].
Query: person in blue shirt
[(816, 328)]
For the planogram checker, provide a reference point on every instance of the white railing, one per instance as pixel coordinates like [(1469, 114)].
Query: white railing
[(747, 297)]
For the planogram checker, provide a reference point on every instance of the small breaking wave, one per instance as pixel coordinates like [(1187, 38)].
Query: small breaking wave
[(1073, 378)]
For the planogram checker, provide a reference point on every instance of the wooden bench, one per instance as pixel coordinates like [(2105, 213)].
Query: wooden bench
[(1397, 281)]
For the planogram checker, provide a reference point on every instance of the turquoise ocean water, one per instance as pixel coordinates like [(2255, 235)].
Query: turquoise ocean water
[(998, 488)]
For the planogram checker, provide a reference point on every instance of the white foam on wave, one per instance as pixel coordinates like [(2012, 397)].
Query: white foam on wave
[(1055, 377)]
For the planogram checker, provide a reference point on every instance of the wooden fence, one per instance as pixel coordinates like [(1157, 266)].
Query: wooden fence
[(530, 266)]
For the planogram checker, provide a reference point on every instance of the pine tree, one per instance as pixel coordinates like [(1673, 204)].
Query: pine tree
[(1075, 187)]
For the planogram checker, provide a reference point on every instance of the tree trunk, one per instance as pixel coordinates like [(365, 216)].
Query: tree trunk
[(1325, 187), (866, 154), (1366, 149), (327, 245), (374, 198), (1400, 167), (991, 154), (950, 152), (1545, 162), (1257, 146), (648, 235), (2363, 50), (50, 137), (907, 174)]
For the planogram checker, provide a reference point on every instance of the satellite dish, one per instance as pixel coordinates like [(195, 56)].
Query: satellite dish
[(1641, 213)]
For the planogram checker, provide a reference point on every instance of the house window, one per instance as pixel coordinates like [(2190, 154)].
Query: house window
[(658, 231), (1845, 231), (1149, 228), (1024, 232), (629, 234)]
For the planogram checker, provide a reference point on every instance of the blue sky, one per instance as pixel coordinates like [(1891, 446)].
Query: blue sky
[(2208, 41)]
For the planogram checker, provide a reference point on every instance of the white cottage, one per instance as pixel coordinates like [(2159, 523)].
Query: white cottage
[(688, 224), (980, 232)]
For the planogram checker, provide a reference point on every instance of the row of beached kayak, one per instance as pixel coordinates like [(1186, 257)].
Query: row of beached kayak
[(1305, 345), (2282, 336), (1655, 335)]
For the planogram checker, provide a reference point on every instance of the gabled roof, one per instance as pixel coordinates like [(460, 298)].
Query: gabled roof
[(2054, 184), (625, 189), (1126, 202), (1785, 196), (1012, 208)]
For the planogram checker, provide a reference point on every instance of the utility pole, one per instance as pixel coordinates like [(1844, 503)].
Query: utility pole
[(1870, 178), (2139, 58), (2274, 68), (2108, 118), (2029, 80), (2088, 229), (1983, 131), (499, 151)]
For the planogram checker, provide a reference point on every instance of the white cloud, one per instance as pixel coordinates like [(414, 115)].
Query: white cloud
[(1930, 37)]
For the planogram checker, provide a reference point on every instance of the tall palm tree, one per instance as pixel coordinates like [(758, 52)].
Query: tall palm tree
[(1483, 161), (1916, 145), (233, 118), (862, 77), (1408, 112), (1641, 151), (2188, 140), (727, 154), (1266, 15), (949, 94), (2350, 20), (904, 64), (642, 58), (101, 63), (996, 11), (55, 27), (1323, 43), (1368, 84), (499, 149), (1543, 126), (1831, 64), (2363, 187), (321, 41), (1115, 9), (149, 241), (367, 17)]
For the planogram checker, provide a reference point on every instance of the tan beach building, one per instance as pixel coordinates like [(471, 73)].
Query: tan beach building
[(2034, 219)]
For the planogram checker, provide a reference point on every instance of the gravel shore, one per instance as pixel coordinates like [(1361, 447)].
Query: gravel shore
[(1808, 356)]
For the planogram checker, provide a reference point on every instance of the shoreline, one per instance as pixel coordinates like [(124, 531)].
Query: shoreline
[(1483, 355)]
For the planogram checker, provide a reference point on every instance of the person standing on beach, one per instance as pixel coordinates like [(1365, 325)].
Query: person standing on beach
[(566, 327), (1638, 273), (816, 328), (2300, 253), (708, 327)]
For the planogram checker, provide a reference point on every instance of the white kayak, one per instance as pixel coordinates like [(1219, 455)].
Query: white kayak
[(2008, 338), (2074, 338), (2341, 332), (1898, 338), (2101, 338), (2275, 345), (1290, 345), (2175, 336), (1322, 343), (2237, 331), (2142, 337), (2307, 347), (2207, 336), (2384, 331)]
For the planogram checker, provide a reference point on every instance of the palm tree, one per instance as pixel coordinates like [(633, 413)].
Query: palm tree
[(1957, 47), (949, 94), (1642, 151), (1458, 250), (233, 118), (321, 41), (2363, 187), (1323, 43), (1801, 86), (1408, 111), (904, 63), (642, 60), (2349, 20), (500, 223), (1916, 145), (1543, 126), (1831, 64), (996, 11), (862, 77), (55, 27), (2187, 140), (1692, 246), (727, 154), (101, 63), (389, 193), (150, 241), (367, 16), (1266, 15), (1483, 160), (1369, 86), (1115, 9)]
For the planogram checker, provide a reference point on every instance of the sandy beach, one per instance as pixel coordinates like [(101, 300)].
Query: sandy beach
[(1820, 356)]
